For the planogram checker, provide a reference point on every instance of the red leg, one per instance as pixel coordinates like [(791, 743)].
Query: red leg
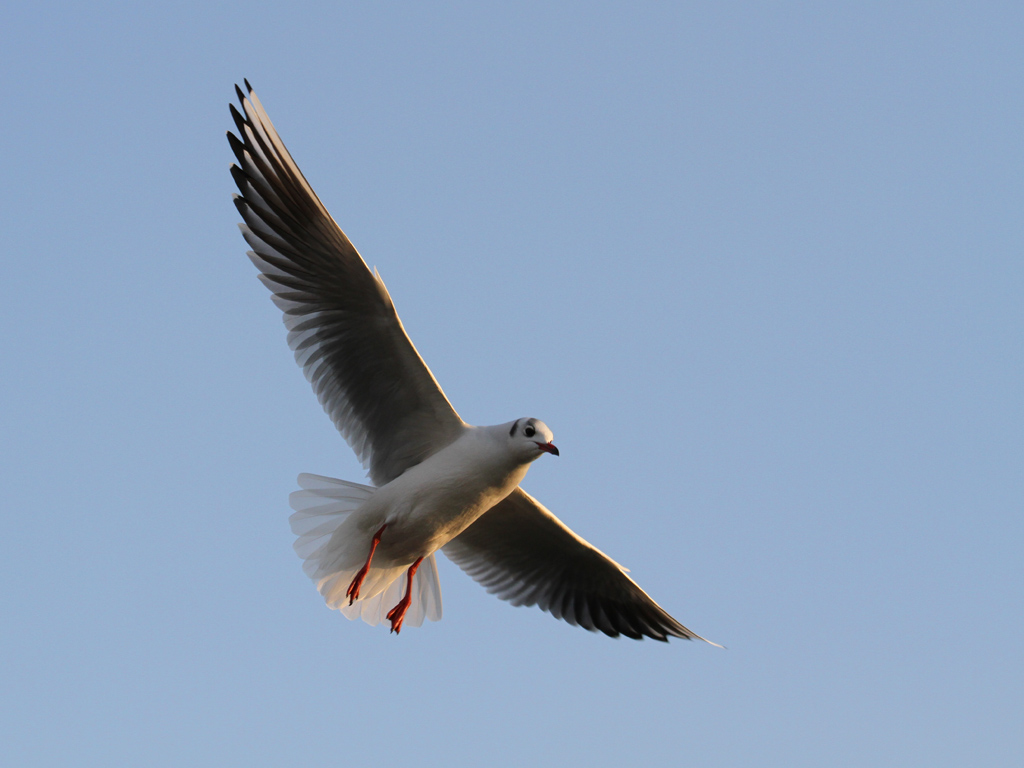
[(352, 593), (397, 614)]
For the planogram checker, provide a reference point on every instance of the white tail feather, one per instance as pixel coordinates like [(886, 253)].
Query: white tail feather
[(321, 508)]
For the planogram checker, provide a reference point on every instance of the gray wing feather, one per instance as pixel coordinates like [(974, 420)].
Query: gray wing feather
[(522, 553), (342, 325)]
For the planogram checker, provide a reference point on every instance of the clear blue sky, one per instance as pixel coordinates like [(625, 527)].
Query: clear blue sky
[(759, 267)]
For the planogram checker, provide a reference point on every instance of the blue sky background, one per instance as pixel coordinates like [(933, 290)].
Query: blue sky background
[(757, 265)]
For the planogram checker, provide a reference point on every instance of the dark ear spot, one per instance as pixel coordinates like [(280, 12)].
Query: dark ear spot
[(512, 432)]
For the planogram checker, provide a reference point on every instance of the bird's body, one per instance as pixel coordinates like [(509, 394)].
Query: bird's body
[(440, 483), (434, 501)]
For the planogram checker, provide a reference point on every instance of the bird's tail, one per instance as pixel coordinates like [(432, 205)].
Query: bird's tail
[(330, 559)]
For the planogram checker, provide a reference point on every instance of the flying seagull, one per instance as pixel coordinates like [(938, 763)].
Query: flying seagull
[(438, 483)]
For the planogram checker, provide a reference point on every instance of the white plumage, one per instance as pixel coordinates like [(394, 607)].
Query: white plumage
[(321, 507)]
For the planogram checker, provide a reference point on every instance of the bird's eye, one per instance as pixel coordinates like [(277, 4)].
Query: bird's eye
[(529, 431)]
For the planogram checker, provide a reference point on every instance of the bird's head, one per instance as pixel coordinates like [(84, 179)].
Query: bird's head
[(529, 438)]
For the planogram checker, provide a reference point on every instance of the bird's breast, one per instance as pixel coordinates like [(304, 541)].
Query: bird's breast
[(434, 501)]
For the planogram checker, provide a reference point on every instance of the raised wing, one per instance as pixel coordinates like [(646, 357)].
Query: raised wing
[(341, 323), (522, 553)]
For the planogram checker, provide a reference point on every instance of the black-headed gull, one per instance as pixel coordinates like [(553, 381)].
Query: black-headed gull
[(439, 483)]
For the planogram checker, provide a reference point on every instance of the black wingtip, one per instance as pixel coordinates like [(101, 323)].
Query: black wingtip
[(237, 147), (247, 86), (240, 121)]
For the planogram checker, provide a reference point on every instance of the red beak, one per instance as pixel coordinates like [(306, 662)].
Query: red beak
[(548, 448)]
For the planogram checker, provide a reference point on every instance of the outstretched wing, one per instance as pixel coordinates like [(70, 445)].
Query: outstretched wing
[(341, 323), (522, 553)]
